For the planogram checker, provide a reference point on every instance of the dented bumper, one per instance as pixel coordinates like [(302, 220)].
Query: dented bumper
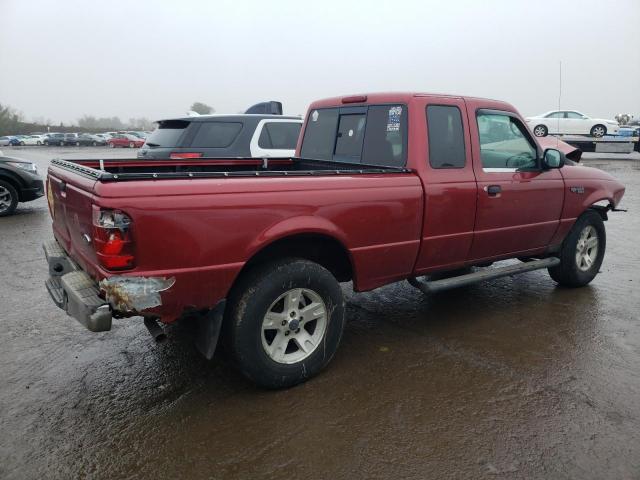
[(95, 304)]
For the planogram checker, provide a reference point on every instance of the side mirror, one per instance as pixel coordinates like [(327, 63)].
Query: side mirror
[(552, 158)]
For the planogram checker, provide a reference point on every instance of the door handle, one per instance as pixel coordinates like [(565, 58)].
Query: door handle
[(493, 190)]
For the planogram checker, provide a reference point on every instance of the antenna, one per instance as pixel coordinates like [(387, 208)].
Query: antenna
[(559, 101)]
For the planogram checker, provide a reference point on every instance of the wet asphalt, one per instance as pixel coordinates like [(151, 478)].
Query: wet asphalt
[(516, 378)]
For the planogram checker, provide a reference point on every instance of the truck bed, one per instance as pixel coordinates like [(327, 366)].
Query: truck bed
[(135, 169)]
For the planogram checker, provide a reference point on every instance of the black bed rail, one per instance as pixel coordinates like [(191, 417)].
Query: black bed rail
[(329, 170)]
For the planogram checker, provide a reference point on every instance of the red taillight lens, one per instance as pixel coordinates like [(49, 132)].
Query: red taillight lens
[(182, 155), (112, 239)]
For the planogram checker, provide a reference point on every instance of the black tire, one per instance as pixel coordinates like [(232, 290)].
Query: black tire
[(568, 273), (62, 144), (248, 304), (12, 195), (540, 131), (598, 131)]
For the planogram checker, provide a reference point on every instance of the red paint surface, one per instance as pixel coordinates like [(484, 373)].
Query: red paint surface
[(202, 231)]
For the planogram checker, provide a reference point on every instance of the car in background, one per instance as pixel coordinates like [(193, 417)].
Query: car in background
[(54, 139), (570, 122), (71, 139), (87, 139), (19, 182), (9, 141), (103, 136), (32, 140), (223, 136), (125, 140)]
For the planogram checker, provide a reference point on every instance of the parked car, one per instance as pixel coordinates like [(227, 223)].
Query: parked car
[(9, 141), (220, 136), (32, 140), (104, 137), (87, 139), (383, 187), (125, 140), (54, 139), (19, 182), (571, 122)]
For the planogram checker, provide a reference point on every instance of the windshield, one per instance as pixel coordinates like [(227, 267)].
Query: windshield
[(167, 133)]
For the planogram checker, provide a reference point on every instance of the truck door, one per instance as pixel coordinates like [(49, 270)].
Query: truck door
[(519, 203), (449, 184)]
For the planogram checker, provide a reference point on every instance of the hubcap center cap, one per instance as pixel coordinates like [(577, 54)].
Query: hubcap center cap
[(294, 324)]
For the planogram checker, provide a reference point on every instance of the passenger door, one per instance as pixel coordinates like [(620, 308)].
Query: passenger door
[(519, 203), (556, 122), (576, 123), (449, 185), (275, 138)]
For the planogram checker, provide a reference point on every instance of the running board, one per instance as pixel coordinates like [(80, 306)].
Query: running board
[(488, 274)]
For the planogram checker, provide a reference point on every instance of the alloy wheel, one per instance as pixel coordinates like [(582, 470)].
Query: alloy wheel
[(587, 248)]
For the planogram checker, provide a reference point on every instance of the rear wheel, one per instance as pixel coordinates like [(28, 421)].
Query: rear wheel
[(131, 145), (284, 322), (112, 145), (8, 199), (61, 144), (540, 131), (94, 144), (39, 142), (77, 144), (598, 131), (582, 252)]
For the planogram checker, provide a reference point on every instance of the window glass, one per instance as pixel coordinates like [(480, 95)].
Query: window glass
[(385, 137), (503, 142), (446, 137), (279, 135), (574, 115), (167, 133), (350, 137), (320, 134), (216, 134), (555, 115)]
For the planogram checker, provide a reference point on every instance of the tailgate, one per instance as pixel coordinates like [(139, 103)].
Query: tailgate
[(70, 196)]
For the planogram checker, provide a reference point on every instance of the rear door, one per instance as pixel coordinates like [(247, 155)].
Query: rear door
[(449, 185), (275, 138), (519, 203)]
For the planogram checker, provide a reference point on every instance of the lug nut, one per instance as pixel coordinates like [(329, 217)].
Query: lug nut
[(292, 314), (284, 322), (286, 333)]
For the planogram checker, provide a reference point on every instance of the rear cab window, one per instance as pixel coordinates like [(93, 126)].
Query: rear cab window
[(371, 135)]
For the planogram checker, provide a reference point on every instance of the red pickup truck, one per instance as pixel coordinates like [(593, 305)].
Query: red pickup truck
[(384, 187)]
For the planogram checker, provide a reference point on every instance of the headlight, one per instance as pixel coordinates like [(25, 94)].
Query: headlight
[(29, 167)]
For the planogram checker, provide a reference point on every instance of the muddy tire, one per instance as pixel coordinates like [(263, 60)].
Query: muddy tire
[(8, 199), (582, 252), (266, 331)]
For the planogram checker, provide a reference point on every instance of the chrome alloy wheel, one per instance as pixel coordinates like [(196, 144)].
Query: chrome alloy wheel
[(5, 199), (294, 326), (587, 248), (598, 131)]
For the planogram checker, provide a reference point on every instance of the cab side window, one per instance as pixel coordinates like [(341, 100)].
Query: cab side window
[(504, 143), (446, 137)]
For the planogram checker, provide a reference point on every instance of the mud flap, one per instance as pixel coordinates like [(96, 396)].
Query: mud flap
[(208, 330)]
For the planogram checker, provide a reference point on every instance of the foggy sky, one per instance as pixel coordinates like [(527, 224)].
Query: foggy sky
[(62, 59)]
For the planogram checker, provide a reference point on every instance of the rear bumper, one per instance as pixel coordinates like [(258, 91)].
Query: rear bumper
[(75, 292)]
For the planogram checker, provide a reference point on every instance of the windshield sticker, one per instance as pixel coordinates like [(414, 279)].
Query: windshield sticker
[(315, 115), (393, 124)]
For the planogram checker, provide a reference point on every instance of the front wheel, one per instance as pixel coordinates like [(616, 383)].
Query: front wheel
[(8, 199), (131, 145), (582, 252), (598, 131), (284, 322), (112, 145)]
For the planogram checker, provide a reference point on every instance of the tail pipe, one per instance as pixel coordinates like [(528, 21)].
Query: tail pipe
[(155, 330)]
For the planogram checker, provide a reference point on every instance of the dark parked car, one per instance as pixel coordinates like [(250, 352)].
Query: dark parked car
[(19, 182), (54, 139), (5, 141), (223, 136), (86, 139)]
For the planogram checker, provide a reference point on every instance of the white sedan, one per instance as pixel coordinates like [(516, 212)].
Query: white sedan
[(570, 122), (32, 140)]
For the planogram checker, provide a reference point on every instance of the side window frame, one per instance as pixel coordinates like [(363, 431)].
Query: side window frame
[(525, 133)]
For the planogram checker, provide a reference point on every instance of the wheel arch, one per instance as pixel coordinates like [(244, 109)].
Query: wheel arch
[(14, 180)]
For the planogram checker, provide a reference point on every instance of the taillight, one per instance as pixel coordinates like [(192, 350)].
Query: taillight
[(112, 239), (181, 155)]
